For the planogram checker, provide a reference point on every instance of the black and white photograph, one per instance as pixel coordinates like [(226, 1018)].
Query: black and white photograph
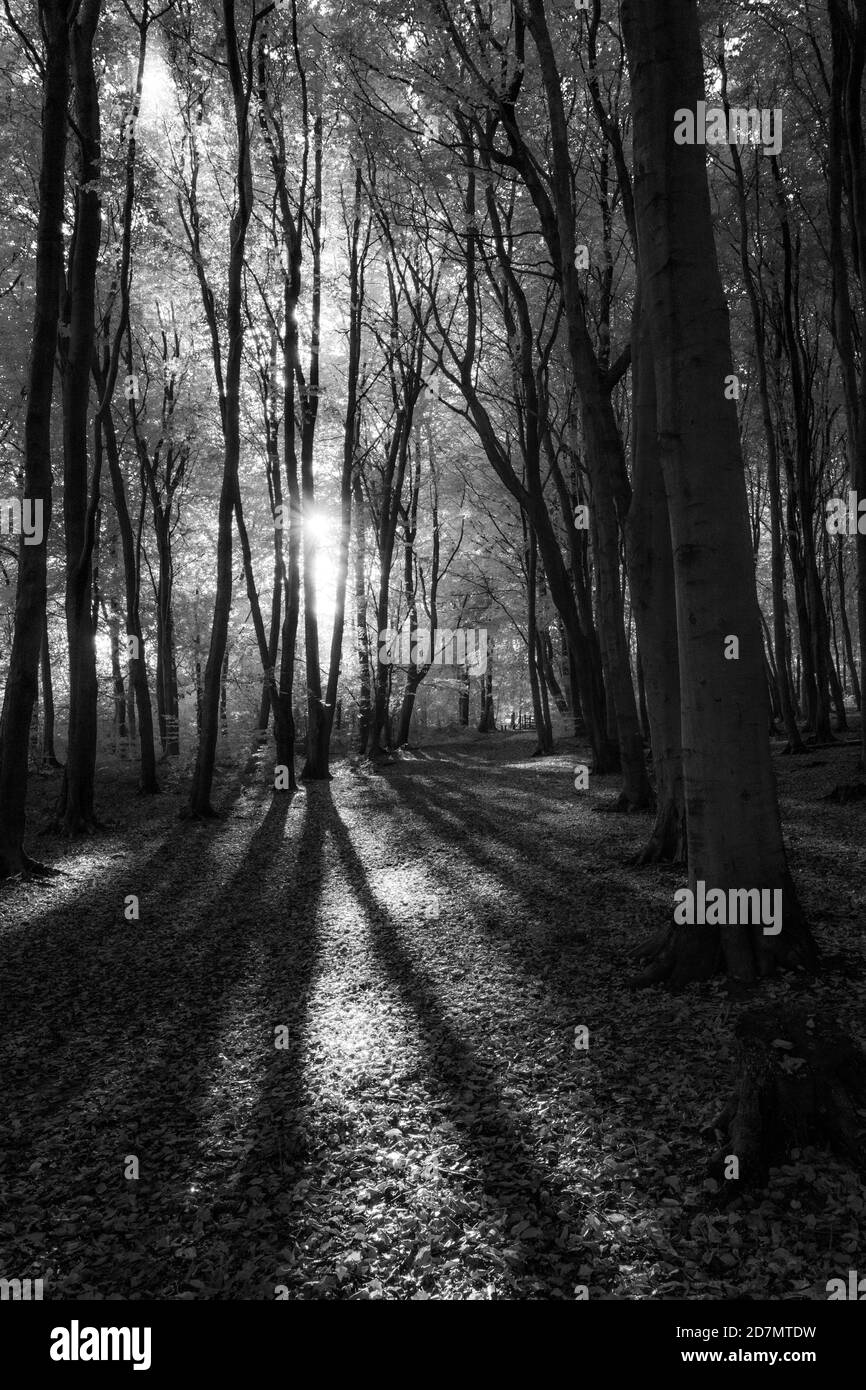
[(432, 649)]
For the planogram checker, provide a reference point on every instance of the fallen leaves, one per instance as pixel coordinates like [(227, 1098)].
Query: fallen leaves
[(430, 1131)]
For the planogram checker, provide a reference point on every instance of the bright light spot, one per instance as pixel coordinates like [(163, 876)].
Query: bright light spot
[(157, 90), (317, 524)]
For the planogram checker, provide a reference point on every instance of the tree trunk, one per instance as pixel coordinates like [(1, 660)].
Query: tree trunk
[(136, 657), (76, 808), (559, 697), (774, 486), (463, 701), (653, 595), (169, 714), (318, 725), (533, 645), (224, 702), (848, 165), (121, 733), (732, 816), (801, 483), (230, 413), (49, 756), (604, 452), (487, 722), (199, 692), (843, 618), (319, 741), (363, 639)]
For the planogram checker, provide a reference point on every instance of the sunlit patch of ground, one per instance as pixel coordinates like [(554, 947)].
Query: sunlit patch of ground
[(340, 1043)]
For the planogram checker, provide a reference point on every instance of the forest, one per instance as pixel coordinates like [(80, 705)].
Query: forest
[(432, 647)]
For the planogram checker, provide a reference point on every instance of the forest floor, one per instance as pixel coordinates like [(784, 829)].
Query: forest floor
[(427, 937)]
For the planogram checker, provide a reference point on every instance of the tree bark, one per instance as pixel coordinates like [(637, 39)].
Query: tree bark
[(732, 815), (363, 639), (230, 413), (487, 722), (315, 765), (653, 595), (76, 807), (49, 756), (137, 664)]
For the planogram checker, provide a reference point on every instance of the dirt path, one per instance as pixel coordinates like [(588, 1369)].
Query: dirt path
[(426, 940)]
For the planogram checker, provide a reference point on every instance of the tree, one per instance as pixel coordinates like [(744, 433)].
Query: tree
[(732, 815), (240, 79), (76, 810), (21, 684)]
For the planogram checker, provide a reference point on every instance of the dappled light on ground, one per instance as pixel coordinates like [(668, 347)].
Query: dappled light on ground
[(340, 1044)]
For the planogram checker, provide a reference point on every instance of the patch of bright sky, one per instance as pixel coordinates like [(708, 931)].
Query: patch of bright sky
[(157, 90)]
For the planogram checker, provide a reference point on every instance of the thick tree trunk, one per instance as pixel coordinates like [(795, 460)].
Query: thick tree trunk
[(732, 816), (654, 604)]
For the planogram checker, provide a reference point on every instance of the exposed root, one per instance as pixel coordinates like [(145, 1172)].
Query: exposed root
[(34, 868), (796, 1084)]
